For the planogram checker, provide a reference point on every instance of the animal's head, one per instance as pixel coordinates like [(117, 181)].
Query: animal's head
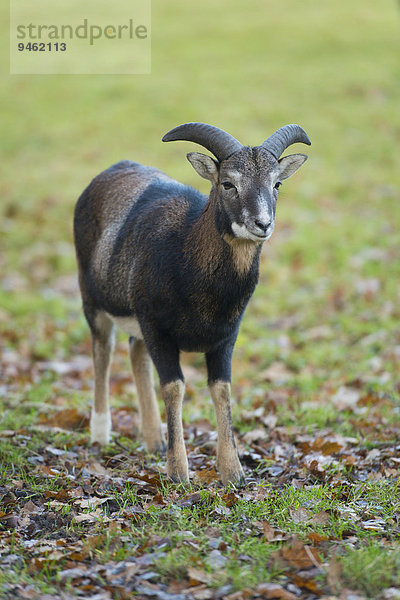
[(245, 179)]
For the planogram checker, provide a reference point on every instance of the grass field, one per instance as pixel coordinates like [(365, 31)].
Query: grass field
[(317, 362)]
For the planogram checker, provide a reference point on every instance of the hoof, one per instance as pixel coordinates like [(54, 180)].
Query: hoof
[(155, 444), (236, 479), (178, 468), (157, 448), (179, 478), (231, 473)]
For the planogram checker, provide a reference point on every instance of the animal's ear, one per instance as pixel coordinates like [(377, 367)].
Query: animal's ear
[(204, 165), (289, 164)]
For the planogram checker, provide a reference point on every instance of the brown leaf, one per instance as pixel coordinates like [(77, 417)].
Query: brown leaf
[(202, 592), (95, 468), (47, 470), (7, 433), (54, 555), (300, 515), (69, 419), (298, 555), (62, 495), (255, 435), (308, 584), (207, 475), (271, 534), (190, 499), (152, 479), (273, 591), (320, 518), (93, 542), (230, 499), (316, 538), (36, 564), (330, 447), (334, 574), (197, 576), (158, 499), (277, 371), (29, 507), (269, 531)]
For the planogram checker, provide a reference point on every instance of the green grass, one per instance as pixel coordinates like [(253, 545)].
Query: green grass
[(371, 568)]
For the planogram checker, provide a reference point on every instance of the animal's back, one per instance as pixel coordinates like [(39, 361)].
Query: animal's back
[(124, 213)]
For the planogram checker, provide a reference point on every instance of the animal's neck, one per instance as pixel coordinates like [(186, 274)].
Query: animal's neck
[(205, 244), (215, 249)]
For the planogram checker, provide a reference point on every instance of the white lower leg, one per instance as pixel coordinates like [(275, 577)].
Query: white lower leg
[(100, 427), (103, 343)]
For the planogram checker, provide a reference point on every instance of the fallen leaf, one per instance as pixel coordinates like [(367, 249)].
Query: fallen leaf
[(320, 518), (277, 371), (96, 469), (298, 555), (92, 502), (255, 435), (207, 475), (300, 515), (316, 538), (331, 447), (303, 515), (68, 418), (197, 576), (334, 574), (29, 507), (230, 499), (269, 531), (307, 584), (273, 591), (190, 499), (346, 398)]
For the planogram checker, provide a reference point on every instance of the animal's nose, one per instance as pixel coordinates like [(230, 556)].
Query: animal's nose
[(263, 226)]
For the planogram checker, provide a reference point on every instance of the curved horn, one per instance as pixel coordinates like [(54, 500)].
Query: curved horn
[(217, 141), (284, 137)]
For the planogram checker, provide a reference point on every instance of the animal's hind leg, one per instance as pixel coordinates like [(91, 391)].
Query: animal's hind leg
[(102, 345), (142, 367)]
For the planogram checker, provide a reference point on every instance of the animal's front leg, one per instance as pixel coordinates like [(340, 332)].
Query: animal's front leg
[(177, 463), (228, 463)]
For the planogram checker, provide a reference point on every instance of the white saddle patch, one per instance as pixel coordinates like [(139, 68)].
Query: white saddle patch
[(129, 325)]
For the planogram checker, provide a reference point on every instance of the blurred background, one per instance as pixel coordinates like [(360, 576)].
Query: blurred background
[(326, 312)]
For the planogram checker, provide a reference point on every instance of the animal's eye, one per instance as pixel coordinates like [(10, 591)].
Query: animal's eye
[(277, 185), (227, 185)]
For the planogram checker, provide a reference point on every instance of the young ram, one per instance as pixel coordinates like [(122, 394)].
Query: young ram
[(175, 270)]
